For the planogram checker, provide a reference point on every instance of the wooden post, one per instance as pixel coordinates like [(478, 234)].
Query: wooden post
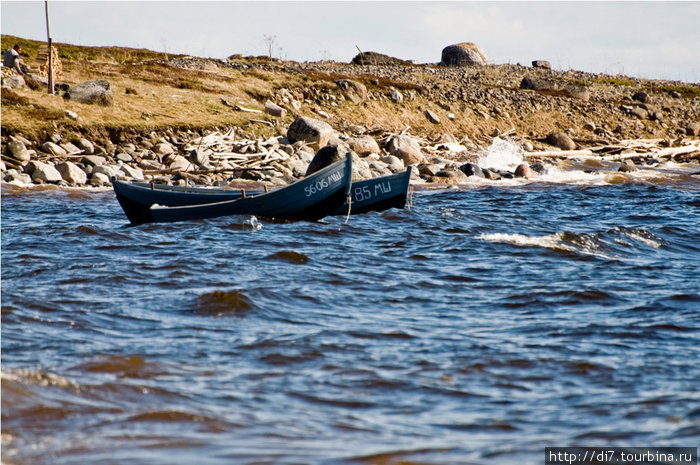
[(48, 37)]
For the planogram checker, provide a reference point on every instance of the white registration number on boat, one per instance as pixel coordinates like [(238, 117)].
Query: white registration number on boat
[(321, 184), (365, 192)]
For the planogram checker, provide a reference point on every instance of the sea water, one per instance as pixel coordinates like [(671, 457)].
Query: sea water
[(480, 326)]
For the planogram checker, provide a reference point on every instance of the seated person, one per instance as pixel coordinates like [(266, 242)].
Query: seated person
[(13, 61)]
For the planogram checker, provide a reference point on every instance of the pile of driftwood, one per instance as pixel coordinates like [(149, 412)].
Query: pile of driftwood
[(628, 149), (225, 151)]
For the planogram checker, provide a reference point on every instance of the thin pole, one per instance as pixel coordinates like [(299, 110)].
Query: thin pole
[(48, 37)]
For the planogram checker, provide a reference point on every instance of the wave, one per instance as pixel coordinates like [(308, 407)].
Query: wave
[(603, 245)]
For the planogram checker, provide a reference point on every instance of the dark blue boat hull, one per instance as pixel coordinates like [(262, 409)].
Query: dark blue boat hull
[(376, 194), (311, 198)]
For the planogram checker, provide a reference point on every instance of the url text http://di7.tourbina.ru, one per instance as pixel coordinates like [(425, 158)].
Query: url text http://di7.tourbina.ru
[(621, 455)]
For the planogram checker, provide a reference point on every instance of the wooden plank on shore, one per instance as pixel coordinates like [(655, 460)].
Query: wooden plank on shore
[(211, 171), (560, 153)]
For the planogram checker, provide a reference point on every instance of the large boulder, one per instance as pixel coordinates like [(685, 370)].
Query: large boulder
[(544, 64), (326, 156), (560, 139), (314, 132), (71, 173), (354, 91), (463, 54), (18, 151), (363, 145), (406, 149), (378, 59), (13, 82), (43, 172), (91, 92)]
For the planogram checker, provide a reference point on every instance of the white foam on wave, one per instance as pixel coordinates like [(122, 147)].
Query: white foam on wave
[(502, 155), (549, 241), (640, 236), (555, 242)]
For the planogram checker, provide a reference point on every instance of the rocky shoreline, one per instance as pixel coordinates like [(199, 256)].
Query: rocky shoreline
[(546, 116), (223, 157)]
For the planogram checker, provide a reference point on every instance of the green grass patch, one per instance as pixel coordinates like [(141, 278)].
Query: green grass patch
[(30, 49), (685, 91), (614, 80)]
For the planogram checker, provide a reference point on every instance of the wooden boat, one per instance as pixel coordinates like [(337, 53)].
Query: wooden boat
[(376, 194), (311, 198)]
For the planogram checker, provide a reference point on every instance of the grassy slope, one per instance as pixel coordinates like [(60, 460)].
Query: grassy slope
[(151, 95)]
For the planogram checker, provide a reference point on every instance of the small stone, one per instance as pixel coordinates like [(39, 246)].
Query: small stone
[(641, 97), (14, 82), (325, 157), (430, 169), (693, 129), (395, 164), (179, 163), (93, 160), (163, 148), (450, 176), (524, 171), (70, 148), (71, 114), (472, 169), (490, 174), (432, 117), (86, 146), (354, 91), (53, 148), (99, 179), (108, 170), (274, 109), (395, 95), (124, 157), (129, 148), (627, 166), (131, 172)]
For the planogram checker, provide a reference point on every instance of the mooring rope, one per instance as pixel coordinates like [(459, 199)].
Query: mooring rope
[(347, 218)]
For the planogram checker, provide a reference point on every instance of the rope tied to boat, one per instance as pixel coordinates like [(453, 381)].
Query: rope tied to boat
[(409, 199), (347, 217)]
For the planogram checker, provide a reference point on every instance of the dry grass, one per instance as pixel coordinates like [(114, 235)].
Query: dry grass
[(148, 96)]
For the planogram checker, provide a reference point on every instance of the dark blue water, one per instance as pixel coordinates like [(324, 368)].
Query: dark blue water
[(478, 327)]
